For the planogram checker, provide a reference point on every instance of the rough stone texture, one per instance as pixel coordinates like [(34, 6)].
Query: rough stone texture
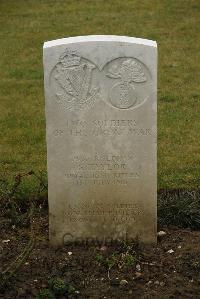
[(101, 138)]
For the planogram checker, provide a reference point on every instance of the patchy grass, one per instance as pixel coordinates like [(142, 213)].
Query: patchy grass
[(26, 24), (124, 258), (179, 208)]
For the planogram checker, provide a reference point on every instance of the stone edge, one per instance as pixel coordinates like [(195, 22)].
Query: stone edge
[(101, 38)]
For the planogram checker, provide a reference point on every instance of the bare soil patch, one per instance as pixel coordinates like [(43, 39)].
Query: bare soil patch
[(94, 271)]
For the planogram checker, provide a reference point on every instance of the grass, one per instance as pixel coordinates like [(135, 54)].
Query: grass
[(179, 208), (26, 24)]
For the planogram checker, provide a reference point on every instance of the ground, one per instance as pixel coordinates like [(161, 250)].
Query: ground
[(98, 271)]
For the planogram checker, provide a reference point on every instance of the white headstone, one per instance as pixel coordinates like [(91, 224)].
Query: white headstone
[(101, 138)]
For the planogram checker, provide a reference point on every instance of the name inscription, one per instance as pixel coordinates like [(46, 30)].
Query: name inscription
[(103, 169)]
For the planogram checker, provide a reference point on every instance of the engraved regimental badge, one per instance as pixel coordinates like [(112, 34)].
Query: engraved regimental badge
[(74, 86), (122, 83), (122, 94)]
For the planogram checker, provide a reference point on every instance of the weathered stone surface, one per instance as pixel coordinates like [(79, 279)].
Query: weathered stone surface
[(101, 138)]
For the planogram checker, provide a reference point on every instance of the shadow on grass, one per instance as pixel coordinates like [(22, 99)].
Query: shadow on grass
[(179, 207)]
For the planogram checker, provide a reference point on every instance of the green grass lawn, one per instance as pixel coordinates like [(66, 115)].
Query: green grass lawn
[(174, 24)]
